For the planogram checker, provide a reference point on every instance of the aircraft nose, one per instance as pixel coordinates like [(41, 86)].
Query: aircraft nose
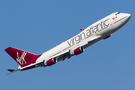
[(128, 15)]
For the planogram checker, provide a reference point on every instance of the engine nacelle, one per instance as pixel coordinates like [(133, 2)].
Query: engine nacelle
[(51, 62), (77, 51)]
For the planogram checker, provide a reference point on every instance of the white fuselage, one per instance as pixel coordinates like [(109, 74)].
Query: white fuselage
[(103, 28)]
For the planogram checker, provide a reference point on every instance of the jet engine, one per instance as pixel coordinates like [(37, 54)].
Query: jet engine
[(51, 62), (77, 51)]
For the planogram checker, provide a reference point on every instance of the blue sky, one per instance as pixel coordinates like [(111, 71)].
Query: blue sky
[(39, 25)]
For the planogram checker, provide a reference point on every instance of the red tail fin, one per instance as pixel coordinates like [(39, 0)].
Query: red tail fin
[(23, 58)]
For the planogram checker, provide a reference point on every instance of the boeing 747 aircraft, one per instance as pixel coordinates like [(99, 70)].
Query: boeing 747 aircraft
[(76, 45)]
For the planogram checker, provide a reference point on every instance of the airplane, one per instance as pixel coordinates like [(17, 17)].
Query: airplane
[(76, 45)]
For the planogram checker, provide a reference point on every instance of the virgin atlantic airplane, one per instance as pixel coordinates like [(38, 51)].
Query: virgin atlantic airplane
[(76, 45)]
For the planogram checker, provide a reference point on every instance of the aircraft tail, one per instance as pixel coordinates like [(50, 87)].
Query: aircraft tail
[(23, 58)]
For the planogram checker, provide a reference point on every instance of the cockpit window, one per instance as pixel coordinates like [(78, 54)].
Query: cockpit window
[(117, 13)]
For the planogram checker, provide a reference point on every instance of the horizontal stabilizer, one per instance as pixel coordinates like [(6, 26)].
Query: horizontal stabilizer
[(12, 70)]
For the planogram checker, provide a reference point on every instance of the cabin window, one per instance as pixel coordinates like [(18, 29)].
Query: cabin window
[(117, 13)]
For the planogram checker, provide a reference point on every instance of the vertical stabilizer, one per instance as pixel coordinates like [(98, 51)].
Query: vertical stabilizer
[(23, 58)]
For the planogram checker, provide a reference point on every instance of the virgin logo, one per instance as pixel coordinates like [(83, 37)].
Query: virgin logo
[(114, 17), (21, 59)]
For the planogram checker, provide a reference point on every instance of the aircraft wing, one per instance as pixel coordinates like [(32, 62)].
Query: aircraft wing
[(92, 40), (66, 54), (62, 55)]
